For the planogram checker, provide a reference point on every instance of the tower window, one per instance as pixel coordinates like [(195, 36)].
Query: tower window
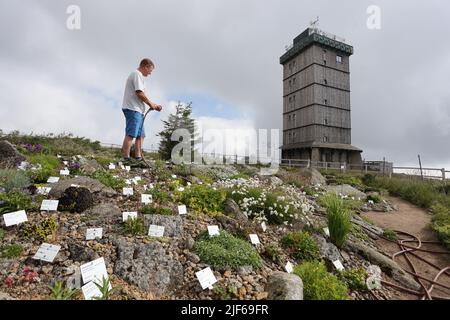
[(325, 101), (325, 122), (338, 59), (325, 139), (325, 81)]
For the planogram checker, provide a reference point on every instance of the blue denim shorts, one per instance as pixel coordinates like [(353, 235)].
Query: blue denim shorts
[(134, 123)]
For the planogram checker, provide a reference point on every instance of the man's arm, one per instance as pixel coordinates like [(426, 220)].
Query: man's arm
[(141, 95)]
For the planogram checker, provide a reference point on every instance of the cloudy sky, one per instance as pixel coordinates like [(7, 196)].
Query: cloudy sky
[(224, 57)]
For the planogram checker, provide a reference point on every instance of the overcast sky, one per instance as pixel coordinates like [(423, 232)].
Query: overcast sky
[(224, 57)]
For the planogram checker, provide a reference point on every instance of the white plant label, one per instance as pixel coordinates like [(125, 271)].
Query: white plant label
[(129, 215), (91, 291), (53, 180), (326, 231), (94, 233), (94, 271), (49, 205), (370, 201), (263, 226), (206, 278), (156, 231), (43, 190), (127, 168), (122, 167), (111, 166), (189, 184), (146, 198), (181, 189), (144, 171), (289, 267), (254, 239), (15, 218), (338, 265), (213, 231), (128, 191), (182, 209), (58, 156), (128, 181), (150, 186), (47, 252), (66, 163), (137, 178), (174, 176)]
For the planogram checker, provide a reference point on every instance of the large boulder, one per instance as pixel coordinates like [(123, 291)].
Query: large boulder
[(89, 166), (328, 251), (94, 186), (75, 200), (104, 213), (314, 176), (9, 156), (284, 286), (232, 209), (173, 225), (148, 266), (346, 190)]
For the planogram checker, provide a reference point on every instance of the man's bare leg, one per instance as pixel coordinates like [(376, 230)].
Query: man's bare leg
[(139, 144), (126, 146)]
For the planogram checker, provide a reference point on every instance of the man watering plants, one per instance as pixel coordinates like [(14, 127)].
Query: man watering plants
[(134, 102)]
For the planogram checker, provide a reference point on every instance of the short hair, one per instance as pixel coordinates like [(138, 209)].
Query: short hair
[(146, 62)]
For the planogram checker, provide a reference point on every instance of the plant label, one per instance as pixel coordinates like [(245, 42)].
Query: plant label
[(206, 278), (182, 209), (94, 233), (181, 189), (263, 226), (128, 191), (129, 215), (144, 171), (58, 156), (53, 180), (66, 163), (137, 178), (146, 198), (127, 168), (49, 205), (94, 271), (338, 265), (189, 184), (128, 181), (326, 231), (43, 190), (150, 186), (15, 218), (174, 176), (254, 239), (371, 202), (289, 267), (47, 252), (91, 291), (213, 231), (156, 231), (112, 166)]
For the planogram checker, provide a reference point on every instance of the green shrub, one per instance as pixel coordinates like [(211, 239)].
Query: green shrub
[(390, 234), (133, 227), (376, 198), (338, 219), (441, 223), (13, 179), (272, 252), (203, 199), (355, 278), (2, 234), (301, 245), (14, 201), (11, 251), (41, 230), (59, 292), (151, 209), (226, 251), (318, 284), (368, 179), (108, 180), (159, 195)]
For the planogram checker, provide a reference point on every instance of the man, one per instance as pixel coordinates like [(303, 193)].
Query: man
[(134, 102)]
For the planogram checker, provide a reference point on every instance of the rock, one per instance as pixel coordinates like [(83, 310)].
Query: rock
[(94, 186), (346, 190), (314, 176), (367, 226), (284, 286), (328, 251), (244, 270), (173, 225), (275, 181), (5, 296), (81, 253), (75, 200), (232, 209), (234, 226), (189, 242), (261, 295), (148, 266), (9, 156), (104, 213), (193, 257), (386, 264), (74, 280), (90, 166)]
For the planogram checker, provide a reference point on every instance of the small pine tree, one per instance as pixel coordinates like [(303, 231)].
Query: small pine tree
[(181, 119)]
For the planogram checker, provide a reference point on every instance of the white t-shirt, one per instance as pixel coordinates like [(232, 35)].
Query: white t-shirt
[(130, 100)]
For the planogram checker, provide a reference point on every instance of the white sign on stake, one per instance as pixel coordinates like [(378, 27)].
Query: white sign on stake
[(128, 181), (91, 291), (174, 176), (66, 163), (137, 178), (49, 205), (94, 233), (53, 180), (129, 215), (213, 231), (43, 190), (156, 231), (181, 189), (128, 191), (263, 226), (14, 218), (326, 231), (206, 278), (338, 265), (94, 271), (289, 267), (144, 171), (146, 198), (47, 252), (127, 168), (112, 166), (182, 209), (254, 239)]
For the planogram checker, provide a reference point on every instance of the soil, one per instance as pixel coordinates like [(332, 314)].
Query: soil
[(416, 221)]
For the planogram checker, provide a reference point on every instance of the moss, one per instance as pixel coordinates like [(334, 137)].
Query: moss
[(42, 230), (11, 251)]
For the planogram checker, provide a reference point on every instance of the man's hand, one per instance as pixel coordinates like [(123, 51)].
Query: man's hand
[(156, 107)]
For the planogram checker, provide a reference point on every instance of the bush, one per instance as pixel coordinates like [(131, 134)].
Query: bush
[(42, 230), (15, 201), (108, 180), (318, 284), (355, 278), (272, 252), (133, 227), (203, 199), (150, 209), (441, 223), (13, 180), (338, 219), (2, 234), (59, 292), (226, 251), (376, 198), (390, 234), (11, 251), (158, 195), (301, 245)]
